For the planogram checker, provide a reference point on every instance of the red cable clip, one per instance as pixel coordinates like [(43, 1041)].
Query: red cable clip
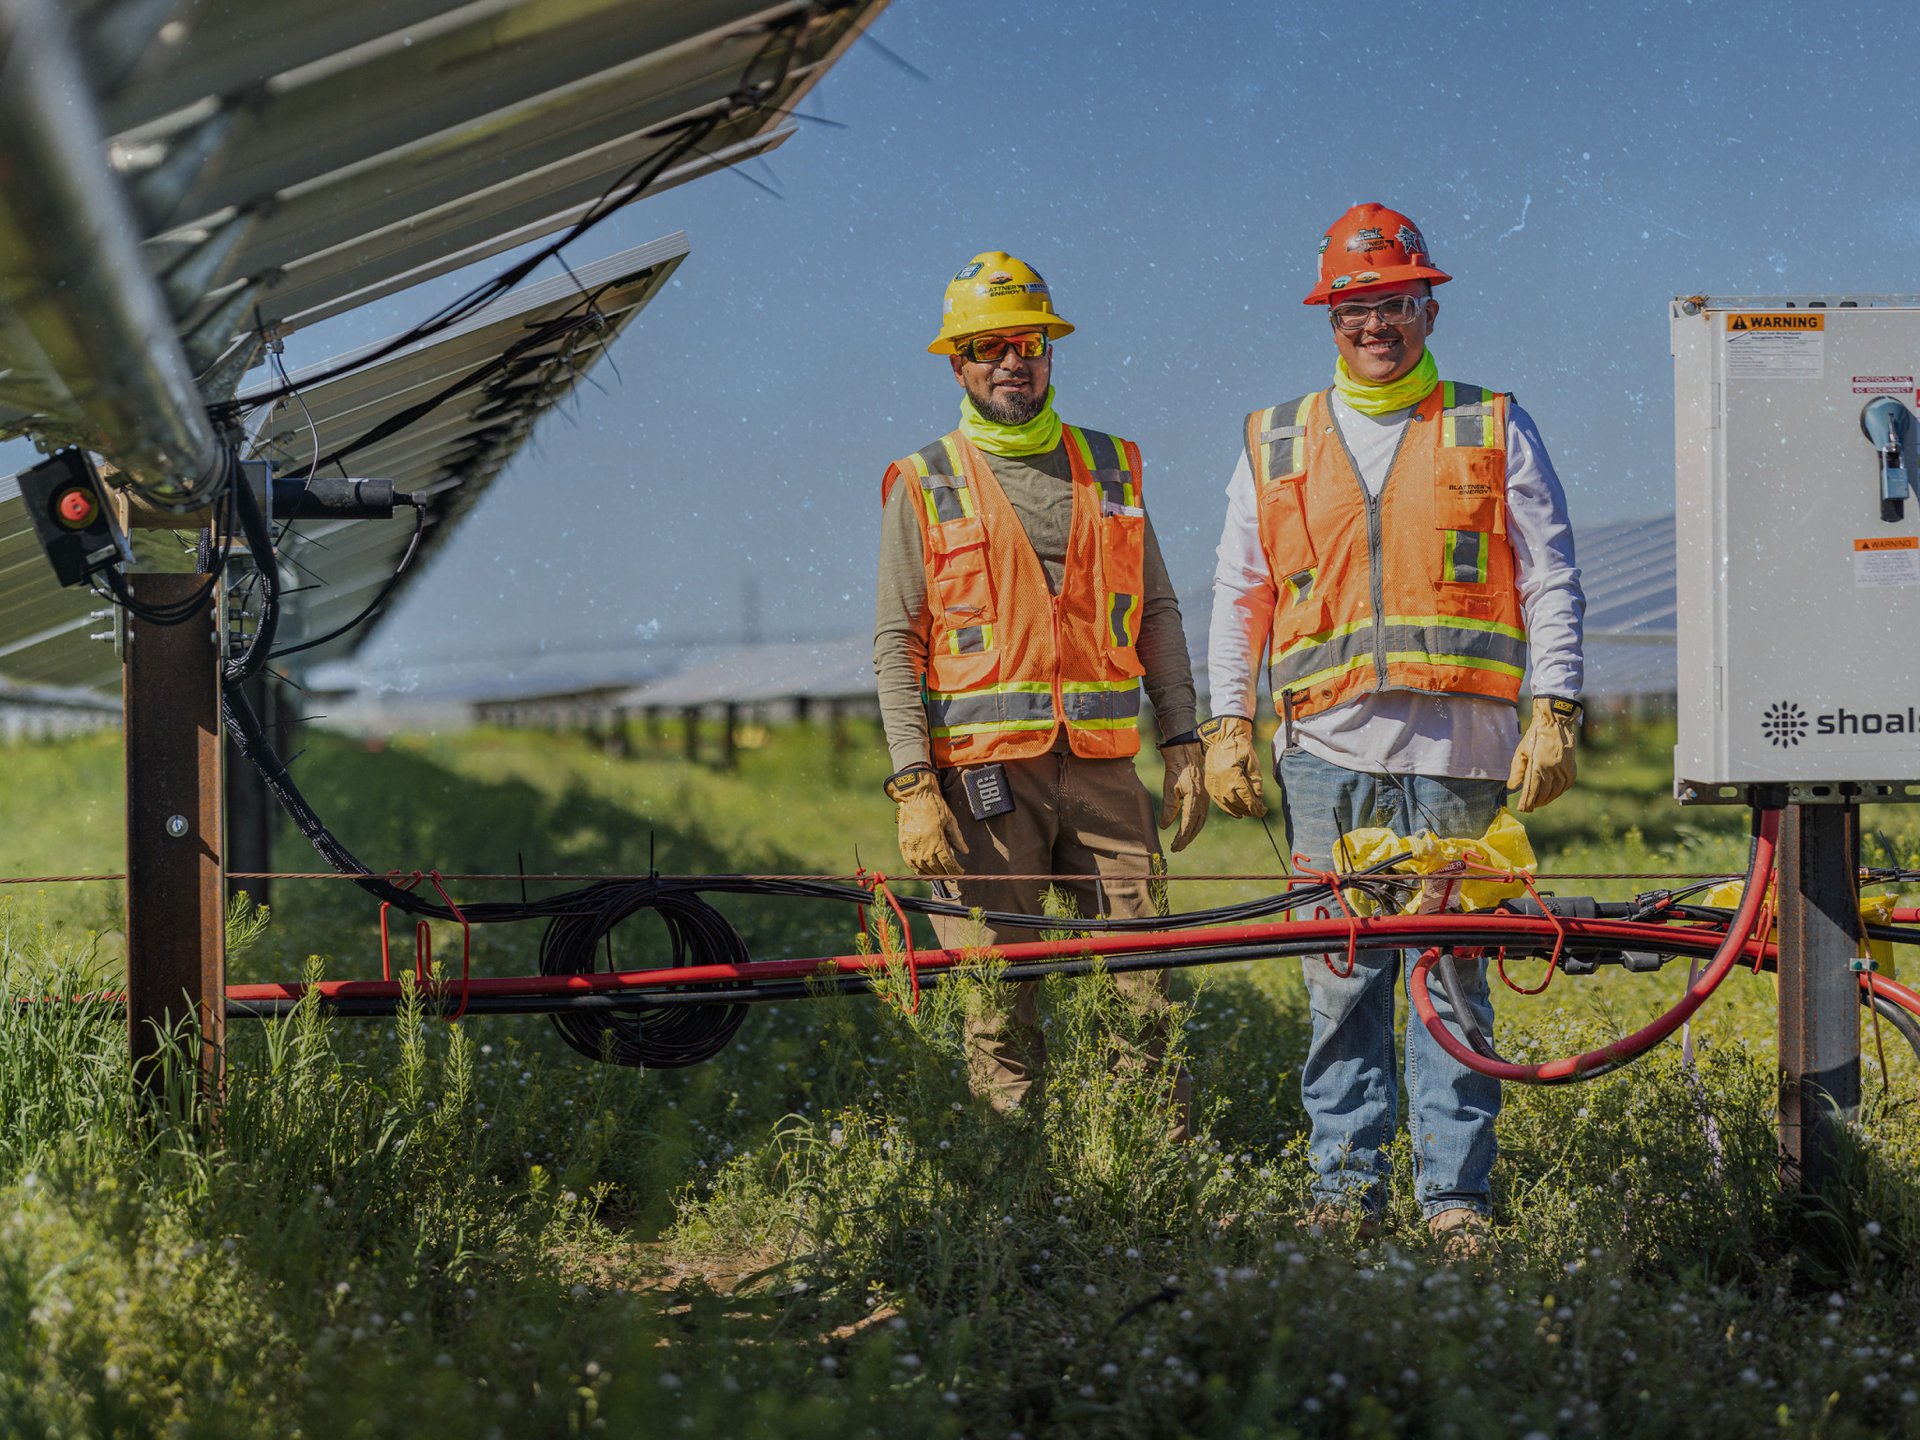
[(1559, 925), (466, 944), (1331, 879), (877, 883), (386, 957)]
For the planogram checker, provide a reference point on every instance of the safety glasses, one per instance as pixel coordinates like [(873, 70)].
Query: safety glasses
[(990, 349), (1396, 310)]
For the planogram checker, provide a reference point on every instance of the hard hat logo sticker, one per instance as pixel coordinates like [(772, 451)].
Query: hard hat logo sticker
[(1366, 277), (1409, 240), (1367, 239), (1341, 282), (971, 271)]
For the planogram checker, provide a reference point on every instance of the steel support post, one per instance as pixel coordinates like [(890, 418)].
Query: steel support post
[(176, 900), (1819, 992)]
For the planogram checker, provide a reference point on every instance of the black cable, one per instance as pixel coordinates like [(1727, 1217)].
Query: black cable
[(1463, 1015), (654, 1037), (259, 537), (406, 559), (223, 502), (626, 188)]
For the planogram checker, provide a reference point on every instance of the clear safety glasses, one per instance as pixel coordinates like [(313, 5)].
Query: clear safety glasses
[(1395, 310)]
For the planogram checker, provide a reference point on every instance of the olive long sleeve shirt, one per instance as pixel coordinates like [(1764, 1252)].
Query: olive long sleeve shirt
[(1040, 489)]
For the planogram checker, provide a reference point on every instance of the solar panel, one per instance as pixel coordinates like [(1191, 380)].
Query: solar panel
[(179, 173), (459, 449), (279, 161)]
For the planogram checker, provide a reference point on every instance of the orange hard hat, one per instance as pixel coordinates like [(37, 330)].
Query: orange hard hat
[(1371, 245)]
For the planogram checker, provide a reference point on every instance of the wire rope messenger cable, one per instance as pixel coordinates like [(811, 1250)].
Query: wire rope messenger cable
[(1592, 1064)]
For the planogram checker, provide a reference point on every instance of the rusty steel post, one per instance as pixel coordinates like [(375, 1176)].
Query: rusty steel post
[(176, 896), (1819, 992)]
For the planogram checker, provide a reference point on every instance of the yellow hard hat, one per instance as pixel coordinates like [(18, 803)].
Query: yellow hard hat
[(994, 291)]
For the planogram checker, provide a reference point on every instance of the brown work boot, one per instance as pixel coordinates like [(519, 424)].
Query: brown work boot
[(1339, 1222), (1463, 1234)]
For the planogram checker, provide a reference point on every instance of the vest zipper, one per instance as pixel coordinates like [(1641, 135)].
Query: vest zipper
[(1376, 586)]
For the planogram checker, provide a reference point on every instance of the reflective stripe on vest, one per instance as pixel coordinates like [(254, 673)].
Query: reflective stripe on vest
[(1364, 599), (1007, 664)]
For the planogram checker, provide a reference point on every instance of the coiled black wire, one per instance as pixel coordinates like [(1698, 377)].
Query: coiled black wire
[(656, 1037)]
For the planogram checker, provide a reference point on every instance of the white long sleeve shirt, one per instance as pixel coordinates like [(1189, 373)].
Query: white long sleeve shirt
[(1408, 732)]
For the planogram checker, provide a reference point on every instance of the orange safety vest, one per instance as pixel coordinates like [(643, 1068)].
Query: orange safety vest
[(1008, 662), (1413, 590)]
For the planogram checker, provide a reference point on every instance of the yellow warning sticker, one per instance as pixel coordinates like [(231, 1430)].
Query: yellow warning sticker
[(1793, 320)]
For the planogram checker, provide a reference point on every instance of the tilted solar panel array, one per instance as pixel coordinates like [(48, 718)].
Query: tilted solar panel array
[(190, 181)]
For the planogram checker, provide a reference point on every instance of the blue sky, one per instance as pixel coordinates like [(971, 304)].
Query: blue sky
[(1170, 169)]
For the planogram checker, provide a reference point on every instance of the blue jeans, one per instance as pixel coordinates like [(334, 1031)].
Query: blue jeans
[(1347, 1083)]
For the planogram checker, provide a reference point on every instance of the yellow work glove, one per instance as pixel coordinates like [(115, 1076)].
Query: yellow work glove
[(1183, 793), (1543, 766), (929, 834), (1233, 771)]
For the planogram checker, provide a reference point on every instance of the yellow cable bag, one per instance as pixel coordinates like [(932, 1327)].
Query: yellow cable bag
[(1450, 867)]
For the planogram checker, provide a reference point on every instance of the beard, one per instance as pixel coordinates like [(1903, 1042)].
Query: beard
[(1014, 410)]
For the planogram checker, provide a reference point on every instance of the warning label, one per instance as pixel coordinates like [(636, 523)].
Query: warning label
[(1882, 384), (1793, 320), (1776, 347), (1883, 561)]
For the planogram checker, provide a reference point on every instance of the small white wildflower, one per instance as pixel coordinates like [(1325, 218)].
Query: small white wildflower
[(1836, 1301), (909, 1361), (1109, 1369), (829, 1364), (669, 1381)]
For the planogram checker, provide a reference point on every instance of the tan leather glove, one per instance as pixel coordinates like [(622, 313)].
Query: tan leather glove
[(929, 834), (1543, 766), (1183, 792), (1233, 770)]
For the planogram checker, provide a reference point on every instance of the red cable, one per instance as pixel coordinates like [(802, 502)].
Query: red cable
[(1887, 988), (1331, 879), (1592, 1063)]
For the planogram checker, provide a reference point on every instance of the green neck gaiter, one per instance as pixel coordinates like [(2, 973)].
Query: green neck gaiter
[(1037, 436), (1410, 389)]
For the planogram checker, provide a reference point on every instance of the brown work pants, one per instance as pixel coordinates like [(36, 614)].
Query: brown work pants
[(1070, 816)]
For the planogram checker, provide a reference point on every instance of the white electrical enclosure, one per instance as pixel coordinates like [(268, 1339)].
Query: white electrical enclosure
[(1799, 590)]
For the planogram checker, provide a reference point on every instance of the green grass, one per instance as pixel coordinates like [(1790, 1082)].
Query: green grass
[(414, 1228)]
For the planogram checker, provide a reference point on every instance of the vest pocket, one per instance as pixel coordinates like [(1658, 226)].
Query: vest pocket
[(1283, 527), (1297, 616), (957, 558), (1123, 540), (951, 673), (1470, 491)]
